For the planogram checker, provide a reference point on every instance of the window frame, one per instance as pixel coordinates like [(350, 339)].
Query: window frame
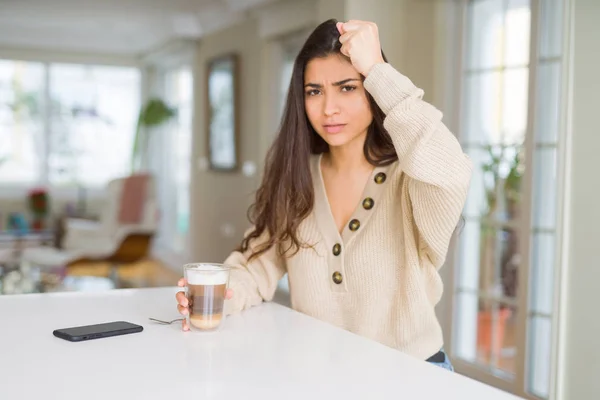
[(458, 12), (182, 55)]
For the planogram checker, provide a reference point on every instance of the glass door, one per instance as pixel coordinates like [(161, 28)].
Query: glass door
[(507, 257)]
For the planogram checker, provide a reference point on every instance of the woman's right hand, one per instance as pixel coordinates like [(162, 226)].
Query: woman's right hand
[(182, 302)]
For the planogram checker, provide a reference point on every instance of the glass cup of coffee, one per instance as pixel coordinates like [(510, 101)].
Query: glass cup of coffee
[(206, 287)]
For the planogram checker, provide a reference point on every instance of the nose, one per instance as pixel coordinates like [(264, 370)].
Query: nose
[(330, 105)]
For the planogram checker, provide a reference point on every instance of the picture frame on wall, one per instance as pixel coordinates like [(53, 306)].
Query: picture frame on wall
[(222, 109)]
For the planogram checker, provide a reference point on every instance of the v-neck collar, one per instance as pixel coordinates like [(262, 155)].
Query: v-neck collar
[(362, 213)]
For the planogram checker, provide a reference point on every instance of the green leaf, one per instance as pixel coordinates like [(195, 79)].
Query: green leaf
[(154, 113)]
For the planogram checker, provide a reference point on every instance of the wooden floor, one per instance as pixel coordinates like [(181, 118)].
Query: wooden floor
[(147, 273)]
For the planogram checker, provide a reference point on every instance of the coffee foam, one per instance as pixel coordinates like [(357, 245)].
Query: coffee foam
[(207, 275)]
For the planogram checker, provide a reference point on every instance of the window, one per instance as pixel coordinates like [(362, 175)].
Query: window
[(66, 124), (495, 121), (179, 91), (93, 120), (170, 150), (22, 87), (504, 287)]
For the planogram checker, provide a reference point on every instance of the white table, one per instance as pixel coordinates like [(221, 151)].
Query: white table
[(268, 352)]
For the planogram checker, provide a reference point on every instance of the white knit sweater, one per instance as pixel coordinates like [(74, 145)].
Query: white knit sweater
[(384, 283)]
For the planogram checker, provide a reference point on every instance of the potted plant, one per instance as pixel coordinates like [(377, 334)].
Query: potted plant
[(154, 113), (39, 207), (502, 175)]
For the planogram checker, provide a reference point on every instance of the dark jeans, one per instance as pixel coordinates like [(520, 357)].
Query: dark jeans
[(442, 360)]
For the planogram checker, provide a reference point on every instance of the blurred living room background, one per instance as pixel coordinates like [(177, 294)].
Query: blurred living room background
[(133, 134)]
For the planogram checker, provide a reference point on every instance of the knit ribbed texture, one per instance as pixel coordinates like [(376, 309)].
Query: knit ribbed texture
[(389, 265)]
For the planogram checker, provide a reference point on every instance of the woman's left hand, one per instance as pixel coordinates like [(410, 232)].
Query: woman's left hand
[(360, 43)]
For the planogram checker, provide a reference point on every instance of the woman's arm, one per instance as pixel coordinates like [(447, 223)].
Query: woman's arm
[(254, 281), (438, 173)]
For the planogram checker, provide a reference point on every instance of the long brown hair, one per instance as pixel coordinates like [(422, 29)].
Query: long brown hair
[(286, 196)]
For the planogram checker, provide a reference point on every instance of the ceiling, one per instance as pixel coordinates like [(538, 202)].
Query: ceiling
[(117, 27)]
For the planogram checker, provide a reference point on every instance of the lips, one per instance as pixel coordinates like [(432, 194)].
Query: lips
[(333, 128)]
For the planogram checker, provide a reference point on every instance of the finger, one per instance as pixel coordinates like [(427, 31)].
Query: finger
[(229, 294), (345, 51), (352, 26), (181, 282), (340, 27), (346, 36), (181, 299), (182, 310), (184, 325)]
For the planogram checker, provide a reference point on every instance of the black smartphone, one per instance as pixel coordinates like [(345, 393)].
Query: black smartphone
[(89, 332)]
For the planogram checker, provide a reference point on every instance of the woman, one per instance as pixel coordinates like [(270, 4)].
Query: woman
[(362, 191)]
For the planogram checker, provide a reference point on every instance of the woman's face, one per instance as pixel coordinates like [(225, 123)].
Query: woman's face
[(335, 100)]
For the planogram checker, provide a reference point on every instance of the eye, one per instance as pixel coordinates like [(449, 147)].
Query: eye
[(312, 92), (348, 88)]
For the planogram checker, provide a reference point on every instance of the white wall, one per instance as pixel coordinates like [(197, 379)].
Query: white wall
[(220, 199), (327, 9), (582, 351)]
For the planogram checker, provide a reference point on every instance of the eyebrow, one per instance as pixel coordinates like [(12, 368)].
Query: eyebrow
[(340, 83)]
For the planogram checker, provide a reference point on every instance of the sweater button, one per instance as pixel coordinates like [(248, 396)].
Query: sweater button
[(380, 178), (337, 249), (354, 225), (337, 277), (368, 203)]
